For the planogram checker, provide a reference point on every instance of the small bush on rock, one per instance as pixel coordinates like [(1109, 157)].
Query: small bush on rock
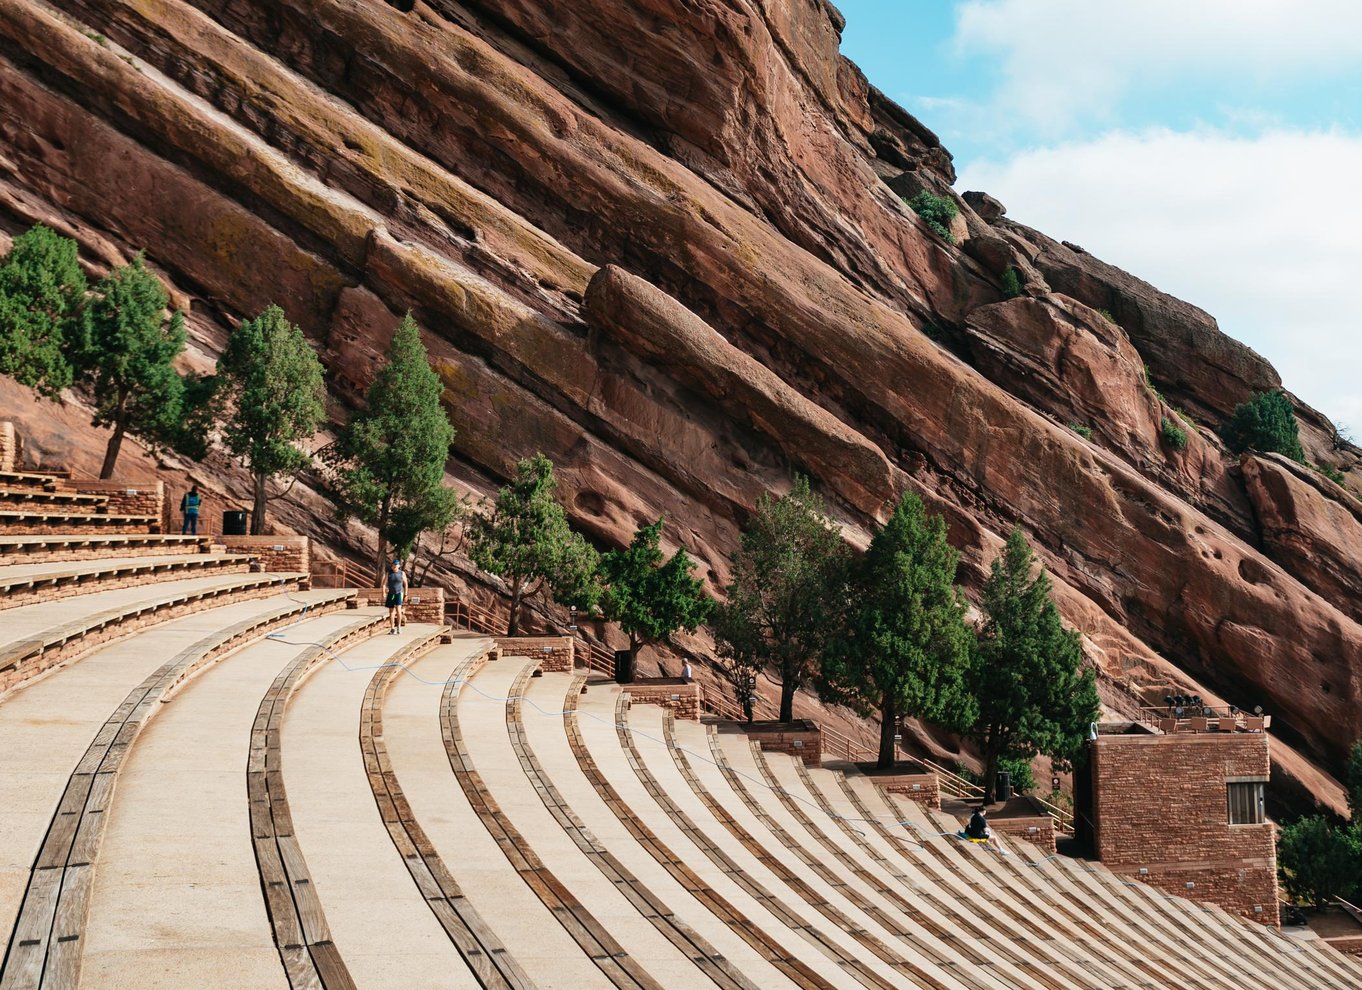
[(938, 211), (1264, 423), (1330, 472), (1173, 435), (1083, 431), (1012, 286)]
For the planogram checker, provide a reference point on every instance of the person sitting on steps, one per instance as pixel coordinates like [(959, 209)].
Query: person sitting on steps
[(397, 593), (977, 830)]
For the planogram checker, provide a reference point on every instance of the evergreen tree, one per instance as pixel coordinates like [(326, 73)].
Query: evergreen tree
[(1352, 780), (740, 650), (42, 310), (1267, 423), (785, 572), (273, 397), (1033, 693), (527, 542), (906, 646), (1318, 862), (127, 361), (651, 598), (393, 451)]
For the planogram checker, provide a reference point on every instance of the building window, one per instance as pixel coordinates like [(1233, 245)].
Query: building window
[(1246, 803)]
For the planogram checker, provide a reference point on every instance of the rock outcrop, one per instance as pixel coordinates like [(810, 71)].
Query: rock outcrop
[(669, 254)]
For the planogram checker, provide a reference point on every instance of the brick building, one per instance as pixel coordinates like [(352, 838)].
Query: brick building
[(1184, 810)]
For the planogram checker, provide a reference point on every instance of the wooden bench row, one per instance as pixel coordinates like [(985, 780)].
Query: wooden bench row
[(38, 548), (56, 644), (46, 946), (29, 479), (309, 955), (28, 522), (691, 944), (611, 958), (22, 499), (22, 585), (487, 957)]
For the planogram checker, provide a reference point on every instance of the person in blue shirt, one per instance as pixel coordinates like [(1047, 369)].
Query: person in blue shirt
[(397, 594), (189, 505)]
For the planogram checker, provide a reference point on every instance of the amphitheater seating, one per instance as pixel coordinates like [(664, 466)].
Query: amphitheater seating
[(211, 777)]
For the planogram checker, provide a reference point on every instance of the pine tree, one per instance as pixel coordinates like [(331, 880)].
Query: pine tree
[(1266, 422), (785, 570), (1028, 679), (127, 361), (273, 397), (905, 649), (651, 598), (1352, 780), (42, 310), (526, 541), (393, 451), (1318, 861)]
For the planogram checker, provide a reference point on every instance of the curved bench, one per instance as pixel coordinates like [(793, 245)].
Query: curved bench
[(37, 548), (485, 954), (46, 941), (40, 651), (25, 522), (21, 584)]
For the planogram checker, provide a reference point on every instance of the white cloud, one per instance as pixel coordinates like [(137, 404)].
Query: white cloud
[(1065, 60), (1262, 232)]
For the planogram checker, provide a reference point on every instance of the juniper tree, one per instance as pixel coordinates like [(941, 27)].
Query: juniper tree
[(1033, 693), (526, 541), (1266, 422), (1319, 861), (393, 451), (128, 356), (905, 645), (42, 310), (651, 598), (273, 399), (785, 572)]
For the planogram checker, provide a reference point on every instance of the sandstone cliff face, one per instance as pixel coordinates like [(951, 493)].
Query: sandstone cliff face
[(670, 255)]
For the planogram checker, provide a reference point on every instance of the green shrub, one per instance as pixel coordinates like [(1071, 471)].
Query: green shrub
[(965, 773), (1106, 315), (1149, 384), (938, 211), (1083, 431), (1023, 781), (1264, 423), (1012, 285), (1318, 861), (1173, 435), (1330, 472)]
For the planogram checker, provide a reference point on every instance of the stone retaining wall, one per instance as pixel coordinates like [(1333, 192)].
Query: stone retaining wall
[(422, 604), (682, 697), (798, 738), (555, 653), (274, 553), (1039, 830), (126, 498), (924, 788), (9, 446)]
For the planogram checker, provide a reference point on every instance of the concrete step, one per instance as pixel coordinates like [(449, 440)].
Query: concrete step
[(39, 522), (22, 584), (53, 547)]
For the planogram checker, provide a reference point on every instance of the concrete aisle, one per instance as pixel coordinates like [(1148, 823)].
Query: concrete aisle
[(177, 900), (46, 726), (378, 917), (411, 729)]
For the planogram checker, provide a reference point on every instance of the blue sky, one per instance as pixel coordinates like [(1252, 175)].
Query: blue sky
[(1212, 147)]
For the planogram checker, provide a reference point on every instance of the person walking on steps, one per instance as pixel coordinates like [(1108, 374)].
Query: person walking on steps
[(397, 594), (189, 507)]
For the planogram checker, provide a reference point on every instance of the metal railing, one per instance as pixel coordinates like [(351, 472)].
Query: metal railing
[(342, 575)]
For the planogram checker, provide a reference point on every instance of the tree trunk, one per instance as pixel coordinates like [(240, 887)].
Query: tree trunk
[(258, 506), (634, 645), (747, 707), (888, 725), (990, 775), (787, 693), (111, 451), (517, 588), (381, 558)]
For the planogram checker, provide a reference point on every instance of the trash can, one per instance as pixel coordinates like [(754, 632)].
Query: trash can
[(624, 669), (234, 522), (1004, 785)]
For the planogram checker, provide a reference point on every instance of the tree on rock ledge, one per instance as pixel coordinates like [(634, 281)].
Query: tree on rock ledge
[(651, 598), (1033, 693), (127, 361), (905, 646), (392, 454), (273, 398), (526, 541), (42, 310), (1266, 423)]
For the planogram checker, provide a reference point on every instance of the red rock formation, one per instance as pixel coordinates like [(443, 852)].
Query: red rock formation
[(669, 255)]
